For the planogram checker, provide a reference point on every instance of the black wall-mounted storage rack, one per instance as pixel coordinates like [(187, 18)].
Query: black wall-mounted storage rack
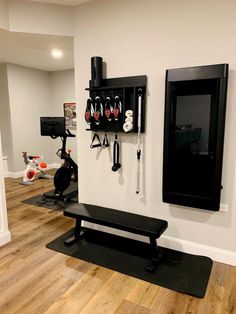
[(127, 89)]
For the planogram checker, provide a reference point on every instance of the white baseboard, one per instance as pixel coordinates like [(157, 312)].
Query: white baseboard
[(5, 237), (217, 254), (19, 174)]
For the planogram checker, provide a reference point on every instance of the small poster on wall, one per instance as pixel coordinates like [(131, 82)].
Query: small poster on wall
[(70, 114)]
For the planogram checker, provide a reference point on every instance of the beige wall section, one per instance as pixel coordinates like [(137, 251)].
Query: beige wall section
[(63, 90), (41, 18), (27, 94), (5, 116), (30, 98), (147, 37), (4, 232), (4, 21)]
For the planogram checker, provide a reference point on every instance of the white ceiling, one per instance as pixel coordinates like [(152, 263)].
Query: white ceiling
[(63, 2), (33, 50)]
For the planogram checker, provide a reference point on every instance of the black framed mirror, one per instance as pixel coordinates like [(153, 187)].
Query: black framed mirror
[(195, 105)]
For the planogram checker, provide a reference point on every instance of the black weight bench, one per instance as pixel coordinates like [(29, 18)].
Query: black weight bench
[(142, 225)]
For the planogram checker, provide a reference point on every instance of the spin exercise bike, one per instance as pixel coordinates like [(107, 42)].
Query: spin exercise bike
[(66, 177)]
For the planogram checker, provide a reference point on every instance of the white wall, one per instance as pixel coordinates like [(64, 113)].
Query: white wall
[(41, 18), (5, 116), (138, 37), (30, 98), (4, 22), (62, 91), (4, 232)]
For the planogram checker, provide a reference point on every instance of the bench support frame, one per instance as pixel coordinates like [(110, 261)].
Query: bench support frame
[(156, 254), (77, 233)]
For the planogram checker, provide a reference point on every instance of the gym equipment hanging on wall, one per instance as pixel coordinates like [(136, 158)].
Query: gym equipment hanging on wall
[(105, 142), (116, 97), (96, 71), (98, 110), (116, 155), (140, 94), (95, 141), (89, 111), (128, 125), (117, 110), (115, 105), (108, 108)]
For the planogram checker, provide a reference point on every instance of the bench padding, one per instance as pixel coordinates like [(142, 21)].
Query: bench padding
[(146, 226)]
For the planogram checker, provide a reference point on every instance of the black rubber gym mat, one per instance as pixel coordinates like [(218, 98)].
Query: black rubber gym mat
[(50, 203), (177, 271)]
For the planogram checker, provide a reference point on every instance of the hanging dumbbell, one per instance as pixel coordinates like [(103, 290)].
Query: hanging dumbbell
[(89, 111), (98, 110), (108, 109), (117, 108)]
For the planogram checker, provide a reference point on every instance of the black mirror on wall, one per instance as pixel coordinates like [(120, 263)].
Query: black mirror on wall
[(195, 105)]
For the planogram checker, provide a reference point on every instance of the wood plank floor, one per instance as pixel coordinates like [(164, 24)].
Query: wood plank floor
[(34, 279)]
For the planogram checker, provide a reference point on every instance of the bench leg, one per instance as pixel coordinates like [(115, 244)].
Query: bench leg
[(77, 233), (156, 256)]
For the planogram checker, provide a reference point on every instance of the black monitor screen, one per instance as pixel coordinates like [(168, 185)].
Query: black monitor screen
[(195, 106), (52, 126)]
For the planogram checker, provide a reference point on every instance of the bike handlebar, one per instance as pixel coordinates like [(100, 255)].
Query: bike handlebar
[(67, 134)]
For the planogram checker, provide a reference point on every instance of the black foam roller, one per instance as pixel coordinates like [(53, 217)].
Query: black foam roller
[(96, 71)]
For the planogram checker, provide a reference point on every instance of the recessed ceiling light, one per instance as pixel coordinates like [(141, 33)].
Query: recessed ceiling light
[(56, 53)]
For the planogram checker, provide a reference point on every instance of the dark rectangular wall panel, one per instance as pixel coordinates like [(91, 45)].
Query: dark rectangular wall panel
[(195, 105)]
